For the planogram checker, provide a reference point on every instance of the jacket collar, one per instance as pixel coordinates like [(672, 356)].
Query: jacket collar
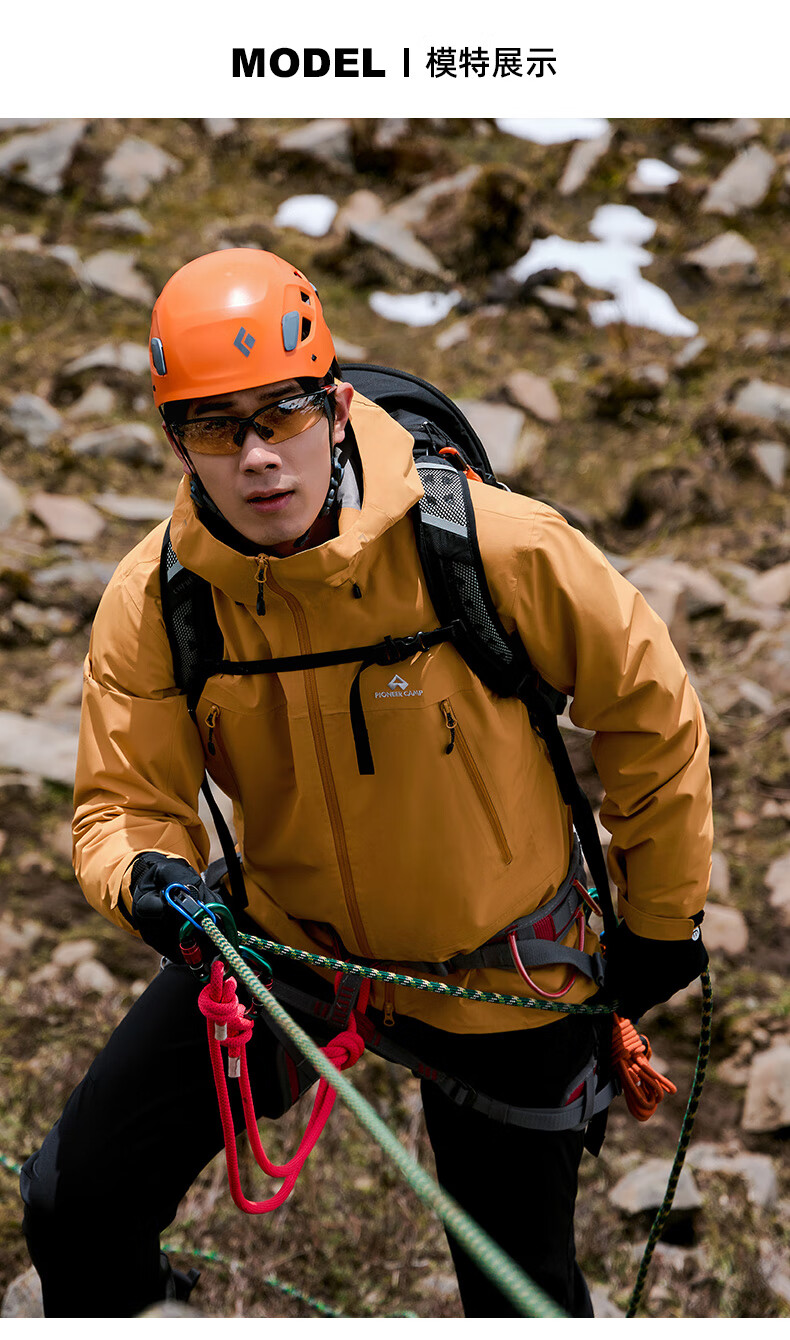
[(391, 487)]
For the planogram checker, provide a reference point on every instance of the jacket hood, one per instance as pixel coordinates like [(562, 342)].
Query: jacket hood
[(391, 487)]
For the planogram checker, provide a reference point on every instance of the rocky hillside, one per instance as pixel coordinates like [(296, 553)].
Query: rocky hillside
[(612, 311)]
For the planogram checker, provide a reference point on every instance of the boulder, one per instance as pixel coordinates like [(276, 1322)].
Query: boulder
[(97, 402), (767, 1105), (34, 418), (763, 400), (762, 1187), (40, 159), (770, 460), (390, 236), (328, 140), (704, 593), (114, 272), (534, 394), (92, 978), (71, 952), (67, 518), (136, 443), (581, 160), (414, 209), (727, 258), (127, 222), (31, 745), (133, 168), (730, 133), (124, 357), (510, 445), (645, 1186), (12, 503), (725, 929), (744, 184), (777, 879), (217, 127), (129, 507), (720, 876), (23, 1297)]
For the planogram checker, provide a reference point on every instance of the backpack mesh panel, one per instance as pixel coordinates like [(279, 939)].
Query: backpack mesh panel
[(476, 610)]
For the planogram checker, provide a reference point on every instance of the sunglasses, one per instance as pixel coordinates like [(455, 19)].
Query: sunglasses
[(223, 434)]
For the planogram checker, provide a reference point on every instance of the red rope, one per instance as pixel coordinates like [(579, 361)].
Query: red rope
[(229, 1026), (643, 1087)]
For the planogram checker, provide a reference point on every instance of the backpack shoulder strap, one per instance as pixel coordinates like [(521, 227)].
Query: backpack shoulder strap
[(190, 622), (196, 643), (446, 534)]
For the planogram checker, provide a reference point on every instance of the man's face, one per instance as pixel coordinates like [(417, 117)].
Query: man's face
[(270, 493)]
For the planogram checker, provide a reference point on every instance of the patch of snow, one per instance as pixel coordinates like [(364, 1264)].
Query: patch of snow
[(612, 263), (310, 214), (652, 172), (414, 309), (548, 130)]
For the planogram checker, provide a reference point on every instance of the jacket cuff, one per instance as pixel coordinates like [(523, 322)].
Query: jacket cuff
[(653, 927)]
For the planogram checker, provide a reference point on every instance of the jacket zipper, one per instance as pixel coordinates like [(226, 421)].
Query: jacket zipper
[(473, 772), (261, 577), (211, 722), (322, 754), (389, 1004)]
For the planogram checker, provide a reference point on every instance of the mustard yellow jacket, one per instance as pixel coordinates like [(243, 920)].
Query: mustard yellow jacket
[(437, 851)]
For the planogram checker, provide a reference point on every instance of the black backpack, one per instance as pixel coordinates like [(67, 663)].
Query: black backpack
[(447, 452)]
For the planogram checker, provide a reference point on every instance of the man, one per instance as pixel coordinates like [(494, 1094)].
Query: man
[(295, 507)]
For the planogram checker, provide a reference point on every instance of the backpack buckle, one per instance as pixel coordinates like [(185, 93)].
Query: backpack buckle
[(401, 648)]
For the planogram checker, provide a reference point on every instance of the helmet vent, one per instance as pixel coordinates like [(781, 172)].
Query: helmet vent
[(305, 297), (306, 327)]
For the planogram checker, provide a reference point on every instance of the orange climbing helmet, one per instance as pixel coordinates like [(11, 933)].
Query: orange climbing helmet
[(232, 320)]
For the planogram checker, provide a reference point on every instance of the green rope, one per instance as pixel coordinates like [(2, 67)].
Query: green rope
[(420, 983), (10, 1165), (522, 1292), (683, 1143)]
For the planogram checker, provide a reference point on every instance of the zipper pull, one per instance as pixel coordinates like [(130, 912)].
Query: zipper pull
[(449, 721), (261, 578), (211, 721), (389, 1004)]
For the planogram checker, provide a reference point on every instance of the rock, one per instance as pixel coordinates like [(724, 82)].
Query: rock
[(502, 430), (43, 625), (727, 258), (17, 938), (219, 126), (742, 185), (602, 1303), (771, 587), (535, 395), (556, 301), (720, 876), (71, 952), (581, 161), (694, 355), (80, 582), (764, 400), (704, 594), (67, 518), (328, 140), (777, 879), (725, 929), (126, 222), (133, 168), (685, 155), (34, 418), (9, 307), (40, 159), (171, 1310), (762, 1187), (361, 207), (645, 1187), (12, 503), (729, 133), (414, 209), (767, 1105), (773, 1265), (133, 442), (23, 1297), (770, 458), (484, 227), (458, 333), (131, 508), (92, 977), (126, 357), (397, 241), (97, 402), (348, 352), (114, 272), (31, 745)]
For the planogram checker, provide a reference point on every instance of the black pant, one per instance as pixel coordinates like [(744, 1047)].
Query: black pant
[(144, 1122)]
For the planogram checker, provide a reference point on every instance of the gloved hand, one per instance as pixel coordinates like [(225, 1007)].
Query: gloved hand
[(641, 973), (157, 921)]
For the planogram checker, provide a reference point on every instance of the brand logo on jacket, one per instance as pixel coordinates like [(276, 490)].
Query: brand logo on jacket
[(398, 688)]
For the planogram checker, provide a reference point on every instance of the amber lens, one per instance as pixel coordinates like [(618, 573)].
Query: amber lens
[(274, 423)]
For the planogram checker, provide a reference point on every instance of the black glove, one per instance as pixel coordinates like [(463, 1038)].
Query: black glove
[(641, 973), (157, 921)]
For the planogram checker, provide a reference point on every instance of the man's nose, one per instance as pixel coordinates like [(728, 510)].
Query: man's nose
[(256, 454)]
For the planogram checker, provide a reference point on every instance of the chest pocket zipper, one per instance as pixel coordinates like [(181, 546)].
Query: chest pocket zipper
[(458, 738)]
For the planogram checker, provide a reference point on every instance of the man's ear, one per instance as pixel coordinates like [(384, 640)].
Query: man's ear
[(344, 392), (188, 470)]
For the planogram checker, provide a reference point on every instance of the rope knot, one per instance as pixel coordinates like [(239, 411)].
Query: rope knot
[(345, 1050)]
